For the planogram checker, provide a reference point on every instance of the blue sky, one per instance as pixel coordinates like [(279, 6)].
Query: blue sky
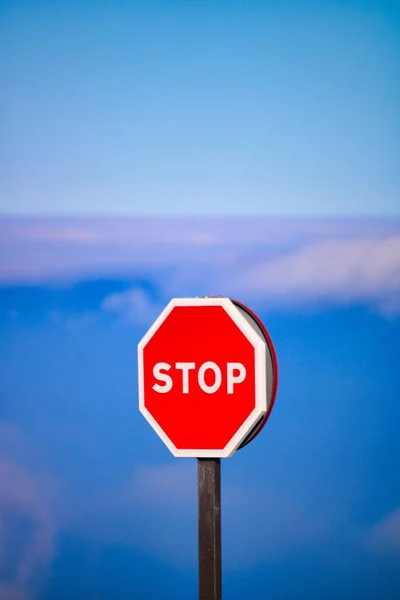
[(161, 149), (92, 504), (171, 107)]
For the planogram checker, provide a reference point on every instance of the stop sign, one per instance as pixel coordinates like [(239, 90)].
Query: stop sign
[(206, 376)]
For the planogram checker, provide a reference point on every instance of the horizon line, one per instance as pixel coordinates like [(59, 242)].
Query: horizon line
[(206, 216)]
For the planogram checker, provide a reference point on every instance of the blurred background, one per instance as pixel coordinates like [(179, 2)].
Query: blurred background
[(152, 149)]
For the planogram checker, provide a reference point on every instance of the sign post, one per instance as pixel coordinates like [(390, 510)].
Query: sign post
[(209, 500), (207, 383)]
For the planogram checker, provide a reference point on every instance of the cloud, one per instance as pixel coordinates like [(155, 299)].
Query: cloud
[(384, 537), (365, 270), (277, 263), (26, 524), (136, 305), (362, 271)]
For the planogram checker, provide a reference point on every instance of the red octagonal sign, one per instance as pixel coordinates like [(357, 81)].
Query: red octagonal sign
[(207, 376)]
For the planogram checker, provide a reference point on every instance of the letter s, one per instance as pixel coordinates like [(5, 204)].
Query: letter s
[(162, 389)]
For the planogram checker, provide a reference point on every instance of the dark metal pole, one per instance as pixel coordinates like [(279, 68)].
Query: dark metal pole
[(209, 492)]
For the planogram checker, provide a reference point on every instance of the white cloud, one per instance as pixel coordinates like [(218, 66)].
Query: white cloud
[(23, 499), (136, 305), (335, 272), (384, 537), (27, 520), (181, 230), (278, 263), (338, 271)]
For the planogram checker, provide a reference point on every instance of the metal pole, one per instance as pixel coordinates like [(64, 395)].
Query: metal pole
[(209, 498)]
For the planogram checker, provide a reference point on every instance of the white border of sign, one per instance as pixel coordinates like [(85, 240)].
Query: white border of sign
[(261, 357)]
